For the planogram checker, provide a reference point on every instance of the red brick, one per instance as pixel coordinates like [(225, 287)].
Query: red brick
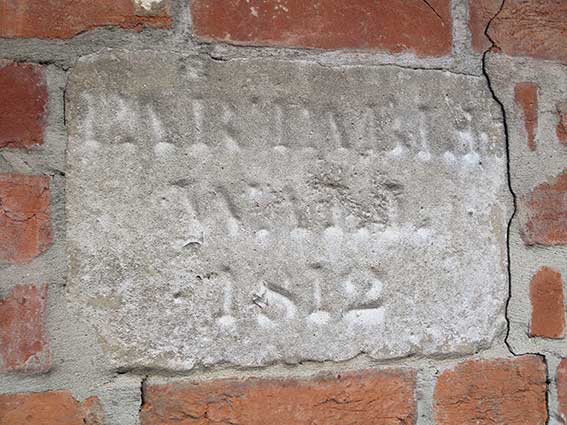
[(480, 14), (548, 307), (561, 380), (23, 105), (543, 213), (25, 231), (92, 411), (49, 408), (534, 28), (364, 398), (526, 99), (67, 18), (394, 26), (24, 345), (501, 391), (562, 123)]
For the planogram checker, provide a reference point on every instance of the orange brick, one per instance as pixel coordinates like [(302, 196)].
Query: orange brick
[(502, 391), (533, 28), (394, 26), (49, 408), (25, 230), (67, 18), (480, 14), (24, 345), (526, 96), (23, 104), (548, 306), (364, 398), (561, 380), (543, 213)]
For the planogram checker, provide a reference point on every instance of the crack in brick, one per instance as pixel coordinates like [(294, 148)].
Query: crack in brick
[(433, 9)]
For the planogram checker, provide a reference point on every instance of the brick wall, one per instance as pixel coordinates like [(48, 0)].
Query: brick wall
[(84, 341)]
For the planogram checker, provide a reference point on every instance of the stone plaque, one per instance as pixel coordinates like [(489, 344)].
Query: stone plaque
[(251, 212)]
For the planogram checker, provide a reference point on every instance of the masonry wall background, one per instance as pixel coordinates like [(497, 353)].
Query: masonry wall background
[(54, 368)]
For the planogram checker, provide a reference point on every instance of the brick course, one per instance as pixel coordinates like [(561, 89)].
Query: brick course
[(23, 105), (534, 28), (24, 344), (67, 18), (364, 398), (548, 306), (49, 408), (501, 391), (543, 213), (394, 26), (25, 229), (561, 381), (527, 100), (480, 14)]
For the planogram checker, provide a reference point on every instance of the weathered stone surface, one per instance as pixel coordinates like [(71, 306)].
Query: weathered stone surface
[(260, 211)]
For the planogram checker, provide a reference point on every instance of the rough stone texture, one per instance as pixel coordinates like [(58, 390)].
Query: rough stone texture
[(526, 99), (67, 18), (24, 345), (534, 28), (561, 381), (548, 307), (23, 104), (502, 391), (562, 122), (422, 27), (48, 408), (25, 231), (480, 14), (536, 179), (363, 398), (544, 213), (260, 211)]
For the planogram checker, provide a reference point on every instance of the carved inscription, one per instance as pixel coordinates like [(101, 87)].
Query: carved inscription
[(257, 212), (220, 125)]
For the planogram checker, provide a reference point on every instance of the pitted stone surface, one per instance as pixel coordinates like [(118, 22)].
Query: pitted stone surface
[(252, 212)]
